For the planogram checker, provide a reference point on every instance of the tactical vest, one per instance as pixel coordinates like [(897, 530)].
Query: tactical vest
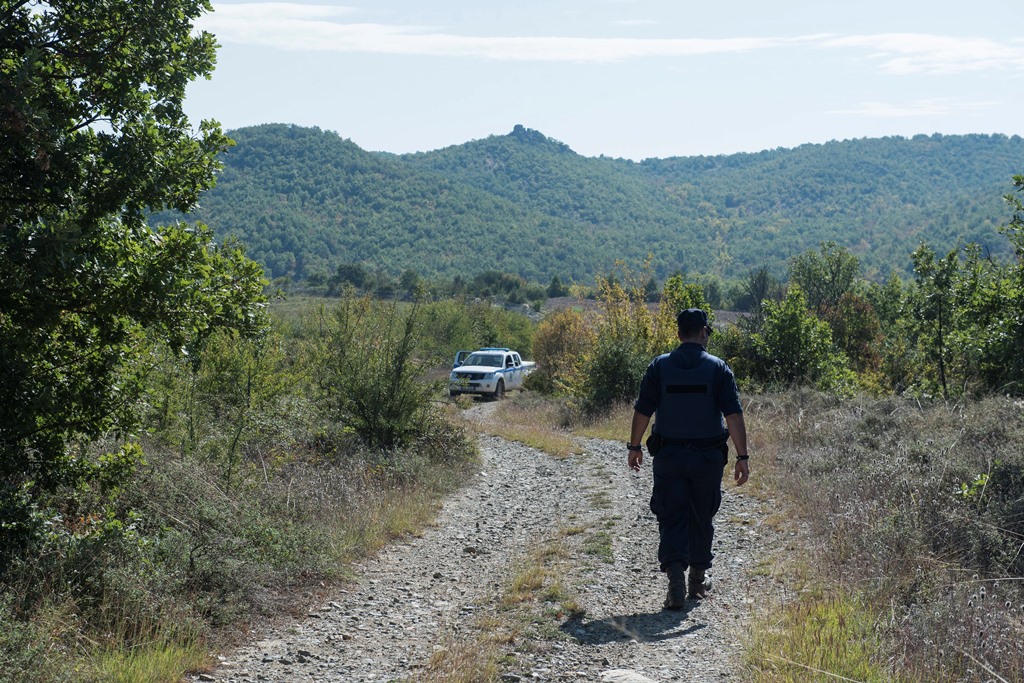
[(687, 409)]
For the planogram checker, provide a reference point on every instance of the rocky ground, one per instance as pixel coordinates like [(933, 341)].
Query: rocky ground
[(449, 589)]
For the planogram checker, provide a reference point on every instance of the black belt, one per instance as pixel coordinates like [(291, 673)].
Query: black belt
[(696, 444)]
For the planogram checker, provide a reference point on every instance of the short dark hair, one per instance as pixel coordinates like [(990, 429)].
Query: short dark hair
[(691, 321)]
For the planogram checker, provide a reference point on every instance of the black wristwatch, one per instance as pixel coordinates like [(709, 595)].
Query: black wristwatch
[(743, 457), (634, 447)]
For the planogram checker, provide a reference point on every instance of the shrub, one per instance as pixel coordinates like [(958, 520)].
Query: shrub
[(28, 652), (795, 347), (624, 338), (561, 340), (613, 371), (371, 375), (733, 345)]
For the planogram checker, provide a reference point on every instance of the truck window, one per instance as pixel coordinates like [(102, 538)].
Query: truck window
[(484, 359)]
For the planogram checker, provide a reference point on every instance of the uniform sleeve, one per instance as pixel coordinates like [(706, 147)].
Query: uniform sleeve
[(650, 391), (728, 395)]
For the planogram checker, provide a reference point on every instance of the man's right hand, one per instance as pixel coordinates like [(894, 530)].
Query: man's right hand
[(741, 472)]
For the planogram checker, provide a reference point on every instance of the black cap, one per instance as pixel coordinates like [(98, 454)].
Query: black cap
[(691, 319)]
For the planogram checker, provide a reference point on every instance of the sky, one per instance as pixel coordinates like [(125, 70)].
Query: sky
[(621, 78)]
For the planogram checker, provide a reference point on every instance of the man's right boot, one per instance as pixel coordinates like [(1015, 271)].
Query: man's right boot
[(699, 584), (676, 598)]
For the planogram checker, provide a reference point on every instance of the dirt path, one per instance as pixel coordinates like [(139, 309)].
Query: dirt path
[(445, 588)]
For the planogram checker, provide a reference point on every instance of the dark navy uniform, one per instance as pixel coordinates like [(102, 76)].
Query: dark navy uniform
[(691, 391)]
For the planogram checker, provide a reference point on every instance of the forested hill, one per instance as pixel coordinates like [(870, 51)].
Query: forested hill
[(306, 201)]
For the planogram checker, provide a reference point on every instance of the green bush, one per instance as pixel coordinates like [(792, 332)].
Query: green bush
[(793, 347), (562, 338), (613, 371), (733, 345), (624, 341), (28, 651), (371, 371)]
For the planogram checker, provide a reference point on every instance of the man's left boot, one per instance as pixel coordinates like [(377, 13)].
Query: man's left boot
[(699, 584), (676, 598)]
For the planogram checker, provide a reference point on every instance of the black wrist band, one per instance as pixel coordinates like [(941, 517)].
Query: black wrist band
[(743, 457), (636, 448)]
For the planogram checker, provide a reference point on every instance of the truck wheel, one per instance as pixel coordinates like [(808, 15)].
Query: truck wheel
[(499, 390)]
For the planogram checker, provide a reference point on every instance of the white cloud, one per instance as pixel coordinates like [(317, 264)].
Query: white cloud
[(317, 27), (914, 53), (290, 26), (920, 108)]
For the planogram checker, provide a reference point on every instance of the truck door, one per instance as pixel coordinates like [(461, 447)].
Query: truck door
[(517, 371), (507, 372)]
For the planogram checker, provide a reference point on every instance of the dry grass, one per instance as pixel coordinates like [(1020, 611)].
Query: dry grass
[(915, 521), (613, 425), (533, 421), (461, 662), (366, 524)]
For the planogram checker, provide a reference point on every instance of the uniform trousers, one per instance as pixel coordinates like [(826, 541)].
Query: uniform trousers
[(686, 496)]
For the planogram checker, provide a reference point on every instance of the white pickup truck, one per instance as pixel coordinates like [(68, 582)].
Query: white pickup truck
[(490, 371)]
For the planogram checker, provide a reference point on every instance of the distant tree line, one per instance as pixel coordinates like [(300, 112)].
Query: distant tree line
[(305, 201)]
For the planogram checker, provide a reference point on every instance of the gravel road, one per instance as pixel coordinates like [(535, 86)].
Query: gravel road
[(424, 595)]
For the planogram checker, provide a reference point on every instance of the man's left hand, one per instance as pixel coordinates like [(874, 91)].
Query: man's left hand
[(636, 458)]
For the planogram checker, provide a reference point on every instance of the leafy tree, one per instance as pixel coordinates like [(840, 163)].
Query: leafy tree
[(824, 276), (968, 317), (676, 296), (888, 299), (92, 137), (1014, 230), (410, 282), (855, 330), (651, 290), (795, 347), (935, 278), (556, 288), (354, 274), (1009, 345), (758, 286)]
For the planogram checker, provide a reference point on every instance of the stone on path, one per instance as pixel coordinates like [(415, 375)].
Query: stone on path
[(624, 676)]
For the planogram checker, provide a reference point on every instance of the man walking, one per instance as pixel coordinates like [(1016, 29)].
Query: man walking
[(691, 391)]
